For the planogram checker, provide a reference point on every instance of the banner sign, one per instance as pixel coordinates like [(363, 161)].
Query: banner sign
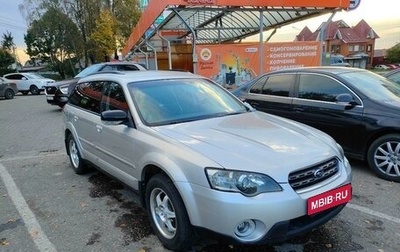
[(234, 64)]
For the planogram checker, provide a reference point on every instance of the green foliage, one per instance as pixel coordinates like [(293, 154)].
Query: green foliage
[(103, 36), (8, 42), (6, 59), (393, 54), (53, 38), (127, 14), (6, 54), (77, 31)]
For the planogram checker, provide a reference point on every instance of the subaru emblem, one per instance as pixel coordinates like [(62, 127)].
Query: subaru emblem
[(319, 173)]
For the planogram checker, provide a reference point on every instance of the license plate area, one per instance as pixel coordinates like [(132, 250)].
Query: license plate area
[(329, 199)]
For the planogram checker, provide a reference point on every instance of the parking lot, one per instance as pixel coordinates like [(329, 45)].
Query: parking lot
[(45, 206)]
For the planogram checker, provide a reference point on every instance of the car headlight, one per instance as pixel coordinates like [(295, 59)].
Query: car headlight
[(64, 89), (247, 183)]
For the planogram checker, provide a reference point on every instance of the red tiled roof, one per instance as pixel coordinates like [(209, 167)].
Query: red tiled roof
[(340, 30)]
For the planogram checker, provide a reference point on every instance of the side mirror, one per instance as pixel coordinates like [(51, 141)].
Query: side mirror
[(249, 107), (346, 100), (114, 117)]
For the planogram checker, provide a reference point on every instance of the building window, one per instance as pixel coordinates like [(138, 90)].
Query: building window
[(356, 48), (335, 49), (369, 48)]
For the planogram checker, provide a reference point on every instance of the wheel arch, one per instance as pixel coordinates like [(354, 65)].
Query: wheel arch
[(9, 90), (148, 172), (377, 135)]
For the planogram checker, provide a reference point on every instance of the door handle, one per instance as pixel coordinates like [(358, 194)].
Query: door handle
[(99, 128), (298, 109)]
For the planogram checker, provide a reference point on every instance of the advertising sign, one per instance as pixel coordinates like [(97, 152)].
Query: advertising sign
[(234, 64)]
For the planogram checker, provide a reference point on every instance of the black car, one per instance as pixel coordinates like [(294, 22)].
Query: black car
[(56, 93), (358, 108)]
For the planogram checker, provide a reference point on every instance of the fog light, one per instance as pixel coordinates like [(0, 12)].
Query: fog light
[(245, 228)]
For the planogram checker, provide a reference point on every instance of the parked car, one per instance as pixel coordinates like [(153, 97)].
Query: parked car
[(29, 82), (358, 108), (393, 75), (57, 93), (7, 88), (382, 67), (201, 159)]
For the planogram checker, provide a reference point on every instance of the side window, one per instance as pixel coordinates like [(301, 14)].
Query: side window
[(14, 77), (87, 96), (109, 68), (256, 89), (127, 68), (320, 88), (395, 77), (279, 85), (113, 98)]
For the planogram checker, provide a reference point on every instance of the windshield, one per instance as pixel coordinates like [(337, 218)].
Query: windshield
[(374, 86), (164, 102), (88, 70)]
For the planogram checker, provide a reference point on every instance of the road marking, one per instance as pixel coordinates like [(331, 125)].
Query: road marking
[(374, 213), (33, 156), (35, 231)]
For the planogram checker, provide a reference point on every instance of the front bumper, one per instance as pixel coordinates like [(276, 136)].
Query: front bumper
[(276, 216)]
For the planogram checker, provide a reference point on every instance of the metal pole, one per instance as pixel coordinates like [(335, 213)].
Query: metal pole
[(169, 51), (155, 54), (322, 36)]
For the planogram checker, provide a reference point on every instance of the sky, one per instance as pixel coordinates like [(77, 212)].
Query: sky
[(383, 16)]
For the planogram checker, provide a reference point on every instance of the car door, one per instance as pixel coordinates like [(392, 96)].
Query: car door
[(84, 114), (116, 143), (20, 80), (272, 94), (316, 105)]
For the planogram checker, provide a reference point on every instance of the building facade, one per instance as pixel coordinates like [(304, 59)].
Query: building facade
[(355, 44)]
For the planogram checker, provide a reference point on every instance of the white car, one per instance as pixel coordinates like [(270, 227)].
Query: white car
[(203, 160), (381, 67), (29, 82)]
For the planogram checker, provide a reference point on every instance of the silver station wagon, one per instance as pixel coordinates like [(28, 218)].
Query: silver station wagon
[(201, 160)]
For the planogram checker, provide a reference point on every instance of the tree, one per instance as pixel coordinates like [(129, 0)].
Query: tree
[(7, 53), (86, 16), (127, 14), (103, 37), (393, 54), (84, 13), (6, 60), (53, 38)]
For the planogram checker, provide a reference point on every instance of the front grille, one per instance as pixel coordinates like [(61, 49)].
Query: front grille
[(50, 90), (313, 175)]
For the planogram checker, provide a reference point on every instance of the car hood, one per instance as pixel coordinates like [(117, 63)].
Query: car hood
[(256, 142)]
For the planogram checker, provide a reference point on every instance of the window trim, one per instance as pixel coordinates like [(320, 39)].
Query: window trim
[(297, 89)]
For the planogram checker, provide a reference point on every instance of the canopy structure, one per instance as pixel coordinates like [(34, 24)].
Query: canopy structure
[(217, 21)]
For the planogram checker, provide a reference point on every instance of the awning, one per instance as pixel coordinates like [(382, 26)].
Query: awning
[(220, 21)]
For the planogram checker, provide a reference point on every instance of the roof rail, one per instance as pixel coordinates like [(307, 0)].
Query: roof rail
[(107, 72)]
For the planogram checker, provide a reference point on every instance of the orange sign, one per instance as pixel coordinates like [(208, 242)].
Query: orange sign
[(234, 64)]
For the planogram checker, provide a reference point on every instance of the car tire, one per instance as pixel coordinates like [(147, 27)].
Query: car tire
[(34, 90), (9, 94), (78, 164), (384, 157), (25, 92), (61, 105), (167, 214)]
